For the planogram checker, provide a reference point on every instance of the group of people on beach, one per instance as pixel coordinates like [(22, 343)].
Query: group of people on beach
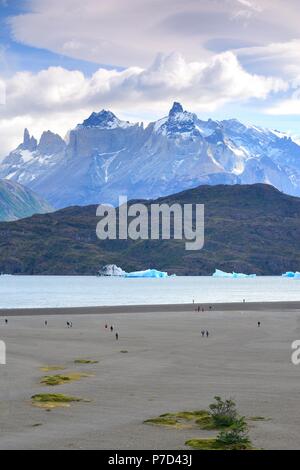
[(205, 333), (202, 309), (112, 329), (69, 324)]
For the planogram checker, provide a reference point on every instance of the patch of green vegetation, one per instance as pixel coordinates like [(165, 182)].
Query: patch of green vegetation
[(206, 422), (124, 351), (60, 379), (214, 444), (53, 400), (190, 415), (85, 361), (181, 419), (200, 418), (162, 421), (51, 368), (223, 413)]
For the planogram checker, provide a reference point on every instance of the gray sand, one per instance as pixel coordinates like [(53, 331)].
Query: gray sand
[(168, 367)]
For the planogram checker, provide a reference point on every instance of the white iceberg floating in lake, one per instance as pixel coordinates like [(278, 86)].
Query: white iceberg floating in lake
[(111, 270), (291, 274), (233, 275), (115, 271)]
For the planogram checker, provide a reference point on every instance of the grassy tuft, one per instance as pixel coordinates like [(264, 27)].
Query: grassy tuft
[(213, 444), (51, 368), (181, 419), (53, 400), (162, 421), (59, 379)]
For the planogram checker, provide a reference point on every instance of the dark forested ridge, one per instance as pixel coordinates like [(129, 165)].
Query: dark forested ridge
[(248, 228)]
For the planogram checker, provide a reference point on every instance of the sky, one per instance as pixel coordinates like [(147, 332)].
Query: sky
[(62, 59)]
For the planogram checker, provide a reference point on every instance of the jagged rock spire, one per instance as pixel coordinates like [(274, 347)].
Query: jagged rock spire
[(176, 108), (29, 143)]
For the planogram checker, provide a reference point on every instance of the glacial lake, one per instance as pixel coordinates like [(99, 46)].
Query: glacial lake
[(81, 291)]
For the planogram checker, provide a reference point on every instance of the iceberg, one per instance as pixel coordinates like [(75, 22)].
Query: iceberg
[(112, 270), (148, 273), (291, 274), (233, 275)]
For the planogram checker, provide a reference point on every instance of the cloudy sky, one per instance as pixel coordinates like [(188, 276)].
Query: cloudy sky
[(62, 59)]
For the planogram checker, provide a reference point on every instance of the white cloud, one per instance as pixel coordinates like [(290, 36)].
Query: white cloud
[(209, 84), (281, 59), (286, 107), (58, 99), (131, 32)]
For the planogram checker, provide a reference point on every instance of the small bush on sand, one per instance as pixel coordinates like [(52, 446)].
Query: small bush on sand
[(236, 437), (223, 412)]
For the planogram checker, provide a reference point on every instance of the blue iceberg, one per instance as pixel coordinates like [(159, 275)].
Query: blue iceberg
[(111, 270), (233, 275), (292, 275), (153, 273)]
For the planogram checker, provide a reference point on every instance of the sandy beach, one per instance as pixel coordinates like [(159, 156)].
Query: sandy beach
[(168, 367)]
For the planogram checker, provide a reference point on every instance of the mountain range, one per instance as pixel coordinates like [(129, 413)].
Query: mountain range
[(248, 228), (17, 202), (104, 157)]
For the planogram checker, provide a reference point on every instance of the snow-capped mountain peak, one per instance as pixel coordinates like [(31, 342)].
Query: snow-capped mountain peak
[(104, 120), (105, 157), (176, 108), (177, 122)]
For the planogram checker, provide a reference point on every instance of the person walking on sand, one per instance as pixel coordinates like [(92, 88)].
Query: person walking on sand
[(46, 323), (106, 326), (207, 334), (6, 321), (111, 328), (117, 336), (258, 324), (202, 333)]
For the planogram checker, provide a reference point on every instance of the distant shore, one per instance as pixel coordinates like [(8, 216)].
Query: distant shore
[(228, 306)]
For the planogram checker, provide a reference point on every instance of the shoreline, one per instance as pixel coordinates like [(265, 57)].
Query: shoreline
[(168, 308)]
